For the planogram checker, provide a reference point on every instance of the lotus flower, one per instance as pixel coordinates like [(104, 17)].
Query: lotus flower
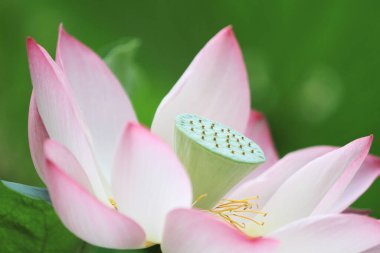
[(94, 162), (302, 196), (115, 184)]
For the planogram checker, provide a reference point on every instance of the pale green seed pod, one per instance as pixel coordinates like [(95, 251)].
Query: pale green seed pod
[(215, 156)]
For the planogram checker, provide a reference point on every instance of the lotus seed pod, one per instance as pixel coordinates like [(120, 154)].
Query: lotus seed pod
[(215, 156)]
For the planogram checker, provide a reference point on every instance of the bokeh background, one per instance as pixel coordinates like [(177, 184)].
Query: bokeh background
[(313, 65)]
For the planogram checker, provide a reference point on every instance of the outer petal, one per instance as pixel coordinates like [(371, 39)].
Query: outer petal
[(64, 159), (104, 105), (191, 231), (214, 86), (363, 179), (317, 184), (57, 111), (348, 233), (344, 180), (266, 184), (37, 135), (148, 180), (86, 217)]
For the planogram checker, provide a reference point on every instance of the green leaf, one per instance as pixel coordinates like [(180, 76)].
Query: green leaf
[(29, 191), (121, 59), (29, 224)]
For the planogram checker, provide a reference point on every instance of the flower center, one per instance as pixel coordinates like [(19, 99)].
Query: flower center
[(236, 212), (215, 156)]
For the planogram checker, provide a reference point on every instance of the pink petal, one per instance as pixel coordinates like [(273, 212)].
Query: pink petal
[(258, 131), (375, 249), (345, 181), (86, 217), (148, 180), (104, 105), (214, 86), (57, 112), (362, 180), (316, 185), (64, 159), (333, 234), (37, 135), (192, 231), (267, 183)]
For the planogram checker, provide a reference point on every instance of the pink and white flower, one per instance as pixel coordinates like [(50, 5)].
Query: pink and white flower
[(113, 183)]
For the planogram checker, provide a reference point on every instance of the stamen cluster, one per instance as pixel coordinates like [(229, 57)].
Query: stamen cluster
[(237, 212)]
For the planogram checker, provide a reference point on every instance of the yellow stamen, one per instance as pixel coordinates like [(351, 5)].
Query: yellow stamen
[(232, 209), (113, 202), (149, 244), (199, 198)]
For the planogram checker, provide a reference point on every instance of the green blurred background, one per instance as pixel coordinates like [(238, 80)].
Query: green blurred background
[(313, 65)]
